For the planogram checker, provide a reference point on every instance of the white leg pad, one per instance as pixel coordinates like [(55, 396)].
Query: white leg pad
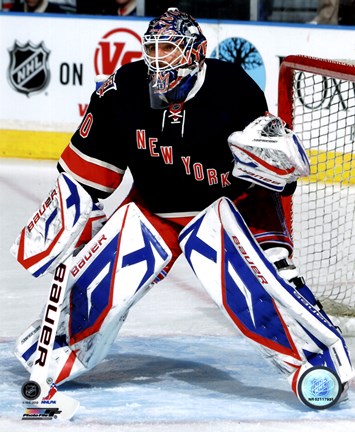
[(108, 276), (266, 309)]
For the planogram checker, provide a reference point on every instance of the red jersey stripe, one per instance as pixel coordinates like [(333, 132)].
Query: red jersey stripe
[(97, 174)]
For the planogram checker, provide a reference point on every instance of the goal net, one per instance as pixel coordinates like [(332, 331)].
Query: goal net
[(317, 100)]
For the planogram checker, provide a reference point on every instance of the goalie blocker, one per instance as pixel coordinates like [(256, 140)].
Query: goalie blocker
[(65, 219), (280, 318)]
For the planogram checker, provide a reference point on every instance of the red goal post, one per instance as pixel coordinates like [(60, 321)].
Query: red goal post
[(316, 98)]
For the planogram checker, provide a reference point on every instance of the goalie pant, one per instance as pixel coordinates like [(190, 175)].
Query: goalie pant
[(120, 264)]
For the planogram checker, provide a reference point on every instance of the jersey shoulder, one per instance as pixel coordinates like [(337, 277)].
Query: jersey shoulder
[(131, 77), (129, 81), (231, 74), (130, 71), (235, 90)]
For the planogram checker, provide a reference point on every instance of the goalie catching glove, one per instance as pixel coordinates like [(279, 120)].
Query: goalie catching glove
[(268, 154)]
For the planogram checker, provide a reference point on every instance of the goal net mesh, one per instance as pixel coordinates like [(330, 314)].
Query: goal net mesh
[(317, 99)]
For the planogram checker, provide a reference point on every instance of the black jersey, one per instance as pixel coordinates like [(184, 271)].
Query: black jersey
[(179, 156)]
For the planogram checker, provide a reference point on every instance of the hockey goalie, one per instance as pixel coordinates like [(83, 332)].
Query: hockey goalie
[(200, 188)]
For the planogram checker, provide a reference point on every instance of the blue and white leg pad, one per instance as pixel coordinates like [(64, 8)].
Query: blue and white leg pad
[(108, 276), (287, 328)]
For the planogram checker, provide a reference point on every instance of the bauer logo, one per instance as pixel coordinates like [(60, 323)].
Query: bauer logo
[(28, 71), (116, 48), (241, 51)]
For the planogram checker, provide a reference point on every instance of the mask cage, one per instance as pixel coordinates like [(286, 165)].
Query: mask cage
[(165, 53)]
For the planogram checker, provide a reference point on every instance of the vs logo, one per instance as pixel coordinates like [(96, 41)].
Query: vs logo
[(28, 71), (112, 51)]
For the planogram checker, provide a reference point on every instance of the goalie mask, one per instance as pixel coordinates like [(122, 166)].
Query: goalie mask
[(268, 154), (174, 50)]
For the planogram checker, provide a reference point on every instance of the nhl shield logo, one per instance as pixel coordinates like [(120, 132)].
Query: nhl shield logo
[(31, 390), (28, 70)]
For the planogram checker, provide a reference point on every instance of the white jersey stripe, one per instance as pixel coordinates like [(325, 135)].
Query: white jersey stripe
[(178, 214)]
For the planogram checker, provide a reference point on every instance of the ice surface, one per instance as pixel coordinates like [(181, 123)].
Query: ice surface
[(177, 364)]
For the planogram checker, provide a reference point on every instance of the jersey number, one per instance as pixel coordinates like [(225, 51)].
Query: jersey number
[(86, 125)]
